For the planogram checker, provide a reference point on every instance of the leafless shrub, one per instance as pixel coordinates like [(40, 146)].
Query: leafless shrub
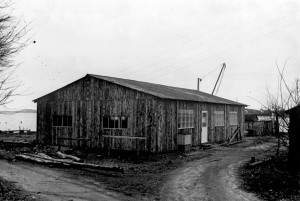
[(286, 98), (11, 43)]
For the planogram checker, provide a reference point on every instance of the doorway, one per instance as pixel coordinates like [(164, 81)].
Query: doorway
[(204, 138)]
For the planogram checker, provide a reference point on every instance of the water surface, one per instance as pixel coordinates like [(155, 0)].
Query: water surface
[(18, 121)]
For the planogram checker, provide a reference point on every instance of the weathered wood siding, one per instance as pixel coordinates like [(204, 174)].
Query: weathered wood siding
[(89, 99)]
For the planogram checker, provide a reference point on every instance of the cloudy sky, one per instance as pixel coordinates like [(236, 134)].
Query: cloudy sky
[(170, 42)]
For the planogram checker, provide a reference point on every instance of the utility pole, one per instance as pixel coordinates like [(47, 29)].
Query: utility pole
[(222, 71), (198, 83)]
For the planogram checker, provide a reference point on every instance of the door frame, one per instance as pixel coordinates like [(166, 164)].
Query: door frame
[(204, 132)]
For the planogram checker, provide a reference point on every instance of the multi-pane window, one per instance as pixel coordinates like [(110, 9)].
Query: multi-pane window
[(219, 118), (115, 122), (233, 118), (204, 118), (62, 120), (185, 119)]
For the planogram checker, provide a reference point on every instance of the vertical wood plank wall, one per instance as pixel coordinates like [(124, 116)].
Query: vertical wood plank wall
[(89, 99)]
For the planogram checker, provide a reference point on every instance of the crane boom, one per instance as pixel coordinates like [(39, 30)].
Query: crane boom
[(222, 71)]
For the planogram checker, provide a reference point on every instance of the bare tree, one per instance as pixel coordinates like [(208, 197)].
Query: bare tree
[(11, 42), (287, 97)]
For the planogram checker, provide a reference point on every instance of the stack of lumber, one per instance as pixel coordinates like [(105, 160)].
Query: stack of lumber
[(66, 160)]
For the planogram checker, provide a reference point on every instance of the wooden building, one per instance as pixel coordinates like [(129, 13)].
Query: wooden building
[(105, 112), (258, 124)]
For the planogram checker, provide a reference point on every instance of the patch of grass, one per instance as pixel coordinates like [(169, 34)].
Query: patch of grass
[(10, 192), (270, 180)]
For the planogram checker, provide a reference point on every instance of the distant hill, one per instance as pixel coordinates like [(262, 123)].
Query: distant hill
[(251, 111), (18, 111), (26, 111)]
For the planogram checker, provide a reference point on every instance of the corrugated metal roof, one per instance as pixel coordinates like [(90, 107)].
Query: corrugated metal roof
[(161, 91), (168, 92), (264, 118)]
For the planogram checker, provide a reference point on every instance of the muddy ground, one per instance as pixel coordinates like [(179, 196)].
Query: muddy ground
[(214, 177), (9, 191), (271, 179), (200, 175)]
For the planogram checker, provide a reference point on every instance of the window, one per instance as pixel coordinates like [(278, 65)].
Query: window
[(124, 122), (62, 120), (233, 118), (185, 119), (115, 122), (219, 118), (105, 122), (204, 118)]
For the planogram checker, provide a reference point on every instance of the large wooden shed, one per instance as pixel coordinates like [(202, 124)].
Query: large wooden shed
[(106, 112)]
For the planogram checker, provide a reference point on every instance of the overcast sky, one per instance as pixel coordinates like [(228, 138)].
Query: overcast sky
[(170, 42)]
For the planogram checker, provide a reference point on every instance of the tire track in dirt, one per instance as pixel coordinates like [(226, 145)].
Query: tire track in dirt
[(50, 184), (212, 178)]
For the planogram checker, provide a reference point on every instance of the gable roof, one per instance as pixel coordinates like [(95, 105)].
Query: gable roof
[(164, 92)]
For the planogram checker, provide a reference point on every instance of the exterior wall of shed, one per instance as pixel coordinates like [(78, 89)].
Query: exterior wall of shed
[(89, 99), (216, 134)]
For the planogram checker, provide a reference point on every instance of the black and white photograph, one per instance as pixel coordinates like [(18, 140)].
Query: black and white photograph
[(170, 100)]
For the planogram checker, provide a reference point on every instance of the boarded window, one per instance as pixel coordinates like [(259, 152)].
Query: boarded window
[(62, 120), (219, 118), (115, 122), (233, 118), (185, 119)]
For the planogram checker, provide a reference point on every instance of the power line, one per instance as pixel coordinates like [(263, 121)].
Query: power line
[(263, 36), (211, 72), (210, 49), (176, 47)]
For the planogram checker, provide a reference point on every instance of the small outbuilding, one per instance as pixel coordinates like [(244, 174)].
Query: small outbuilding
[(113, 113), (259, 124)]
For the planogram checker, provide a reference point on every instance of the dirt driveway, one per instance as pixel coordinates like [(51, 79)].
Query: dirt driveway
[(210, 178), (213, 178), (52, 184)]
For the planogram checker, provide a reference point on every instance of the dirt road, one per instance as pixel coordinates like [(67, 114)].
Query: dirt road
[(50, 184), (211, 178), (214, 177)]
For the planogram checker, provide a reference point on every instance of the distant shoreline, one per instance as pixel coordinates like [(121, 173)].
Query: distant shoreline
[(18, 111)]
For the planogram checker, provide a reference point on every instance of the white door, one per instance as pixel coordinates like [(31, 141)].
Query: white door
[(204, 127)]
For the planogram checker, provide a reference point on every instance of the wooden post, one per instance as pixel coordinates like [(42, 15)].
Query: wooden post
[(137, 149), (109, 144), (156, 132), (59, 144), (277, 134)]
